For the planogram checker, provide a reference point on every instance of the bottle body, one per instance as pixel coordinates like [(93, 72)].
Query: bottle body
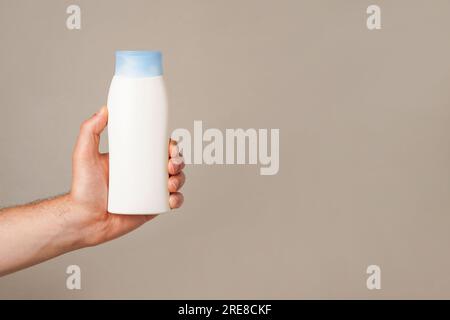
[(138, 145)]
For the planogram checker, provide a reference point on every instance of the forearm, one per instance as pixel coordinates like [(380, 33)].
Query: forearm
[(35, 232)]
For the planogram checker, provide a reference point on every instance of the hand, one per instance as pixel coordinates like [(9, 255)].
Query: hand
[(41, 230), (89, 219)]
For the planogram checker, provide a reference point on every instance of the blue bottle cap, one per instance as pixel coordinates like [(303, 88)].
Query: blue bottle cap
[(136, 64)]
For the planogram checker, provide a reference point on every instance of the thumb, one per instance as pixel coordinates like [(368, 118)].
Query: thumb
[(89, 136)]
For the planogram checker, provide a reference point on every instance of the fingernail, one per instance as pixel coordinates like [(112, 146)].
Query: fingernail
[(177, 160), (102, 110), (175, 151)]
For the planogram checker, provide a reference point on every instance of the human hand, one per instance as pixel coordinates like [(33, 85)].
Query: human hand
[(88, 220)]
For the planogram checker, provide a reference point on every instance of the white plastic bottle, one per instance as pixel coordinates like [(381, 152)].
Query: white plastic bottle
[(138, 135)]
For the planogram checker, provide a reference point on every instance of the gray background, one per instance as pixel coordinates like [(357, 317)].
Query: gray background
[(364, 118)]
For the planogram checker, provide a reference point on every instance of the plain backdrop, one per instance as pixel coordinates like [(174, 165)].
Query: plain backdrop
[(364, 119)]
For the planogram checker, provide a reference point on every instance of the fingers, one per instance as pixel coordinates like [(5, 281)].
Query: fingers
[(175, 165), (176, 182), (177, 177), (89, 136), (174, 150), (176, 160), (176, 199)]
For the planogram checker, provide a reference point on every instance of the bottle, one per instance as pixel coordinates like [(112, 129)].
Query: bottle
[(138, 135)]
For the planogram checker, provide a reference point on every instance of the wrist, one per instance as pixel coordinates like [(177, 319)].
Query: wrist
[(68, 236), (87, 223)]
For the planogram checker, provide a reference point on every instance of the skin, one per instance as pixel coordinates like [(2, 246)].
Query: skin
[(36, 232)]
